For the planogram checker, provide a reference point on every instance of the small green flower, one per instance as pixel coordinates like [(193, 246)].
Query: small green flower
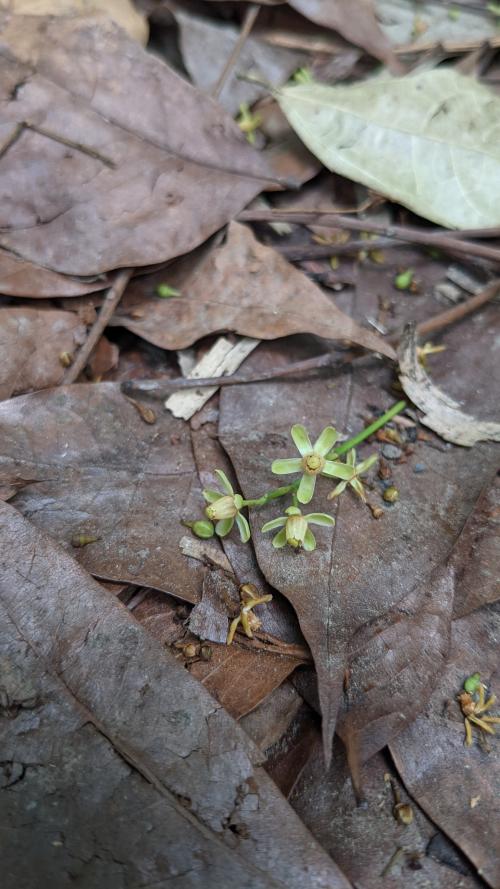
[(295, 530), (312, 461), (225, 509), (354, 471)]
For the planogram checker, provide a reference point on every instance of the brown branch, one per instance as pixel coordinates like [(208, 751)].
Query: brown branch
[(248, 23), (319, 251), (454, 242), (444, 319), (108, 307)]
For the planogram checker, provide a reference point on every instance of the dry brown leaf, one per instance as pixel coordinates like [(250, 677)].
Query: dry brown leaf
[(99, 470), (100, 714), (354, 20), (31, 343), (430, 754), (477, 560), (21, 278), (363, 572), (241, 286), (137, 182), (122, 12), (441, 413)]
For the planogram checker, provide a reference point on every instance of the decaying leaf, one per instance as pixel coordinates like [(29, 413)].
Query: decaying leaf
[(31, 343), (18, 277), (144, 738), (123, 12), (477, 560), (430, 754), (241, 286), (427, 141), (364, 570), (101, 471), (441, 413), (137, 182), (354, 19), (206, 46), (431, 23)]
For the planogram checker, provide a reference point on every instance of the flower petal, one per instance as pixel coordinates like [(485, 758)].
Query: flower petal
[(320, 518), (226, 484), (280, 539), (306, 488), (326, 441), (309, 541), (338, 490), (243, 528), (274, 523), (301, 439), (358, 487), (211, 496), (283, 467), (223, 527), (351, 457), (338, 470), (365, 465)]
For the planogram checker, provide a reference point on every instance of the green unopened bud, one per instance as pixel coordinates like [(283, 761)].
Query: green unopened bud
[(167, 292), (472, 683), (223, 508), (295, 530), (404, 280), (201, 527)]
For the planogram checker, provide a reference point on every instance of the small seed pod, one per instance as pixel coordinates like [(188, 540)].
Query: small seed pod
[(206, 652), (403, 812), (66, 359), (83, 539), (201, 528), (391, 494), (472, 683), (190, 650)]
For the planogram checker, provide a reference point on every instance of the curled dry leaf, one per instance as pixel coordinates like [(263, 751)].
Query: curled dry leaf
[(138, 183), (31, 343), (107, 722), (436, 146), (430, 754), (354, 20), (359, 576), (18, 277), (441, 413), (241, 286)]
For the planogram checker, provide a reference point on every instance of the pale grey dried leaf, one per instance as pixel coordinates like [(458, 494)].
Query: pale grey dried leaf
[(442, 414), (428, 141), (427, 23)]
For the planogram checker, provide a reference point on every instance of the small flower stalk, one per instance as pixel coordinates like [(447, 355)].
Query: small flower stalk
[(312, 461), (294, 528), (352, 472), (225, 509)]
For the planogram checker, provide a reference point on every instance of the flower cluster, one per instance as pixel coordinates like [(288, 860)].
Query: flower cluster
[(225, 507)]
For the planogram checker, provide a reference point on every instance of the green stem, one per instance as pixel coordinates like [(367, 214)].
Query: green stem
[(369, 430), (272, 495)]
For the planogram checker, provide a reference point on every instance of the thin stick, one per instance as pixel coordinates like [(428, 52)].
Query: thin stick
[(248, 23), (318, 251), (108, 307), (454, 242), (460, 311)]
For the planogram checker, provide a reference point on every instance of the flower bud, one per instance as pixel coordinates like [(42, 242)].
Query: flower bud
[(203, 528), (224, 508), (295, 530)]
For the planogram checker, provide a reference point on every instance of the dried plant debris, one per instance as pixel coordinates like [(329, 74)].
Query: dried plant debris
[(441, 413)]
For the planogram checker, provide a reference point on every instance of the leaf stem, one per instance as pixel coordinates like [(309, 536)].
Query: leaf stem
[(273, 494), (367, 431)]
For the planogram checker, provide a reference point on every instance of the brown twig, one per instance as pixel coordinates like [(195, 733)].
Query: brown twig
[(108, 307), (318, 251), (248, 23), (460, 311), (454, 242)]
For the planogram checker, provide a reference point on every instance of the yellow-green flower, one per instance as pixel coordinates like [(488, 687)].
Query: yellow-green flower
[(294, 528), (354, 470), (225, 509), (312, 461)]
